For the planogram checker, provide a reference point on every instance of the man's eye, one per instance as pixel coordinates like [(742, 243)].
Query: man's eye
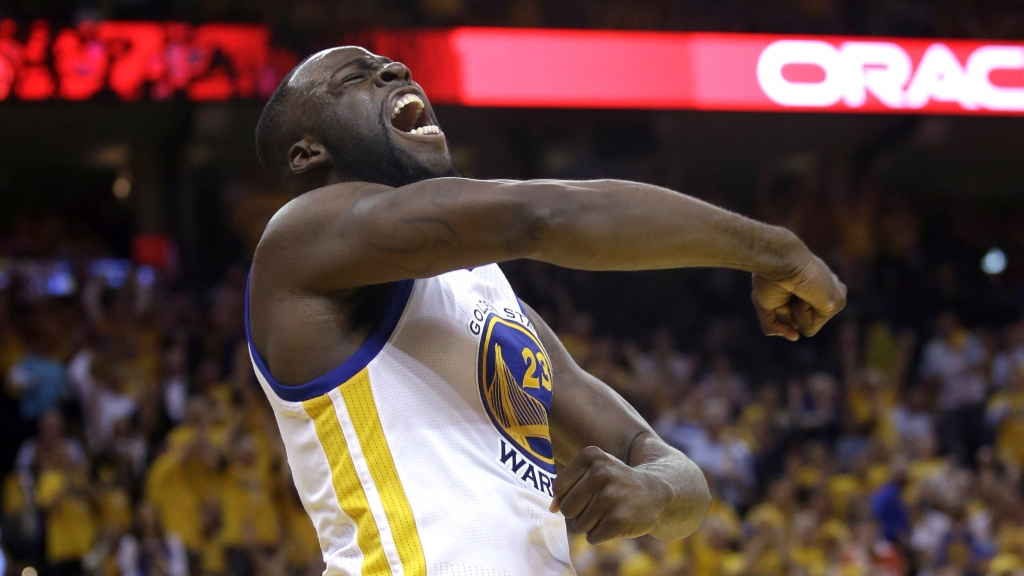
[(352, 77)]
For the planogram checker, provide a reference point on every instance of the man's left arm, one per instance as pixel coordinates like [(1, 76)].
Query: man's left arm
[(617, 478)]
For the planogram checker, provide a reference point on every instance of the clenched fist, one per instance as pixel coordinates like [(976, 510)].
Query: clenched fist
[(799, 300), (605, 499)]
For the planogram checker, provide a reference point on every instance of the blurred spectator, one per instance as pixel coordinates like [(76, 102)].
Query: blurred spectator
[(250, 512), (716, 449), (100, 389), (184, 480), (174, 383), (37, 380), (1005, 415), (149, 550), (954, 359), (888, 507), (68, 505)]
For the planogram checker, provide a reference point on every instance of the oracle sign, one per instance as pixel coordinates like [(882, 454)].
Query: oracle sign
[(709, 71), (853, 71)]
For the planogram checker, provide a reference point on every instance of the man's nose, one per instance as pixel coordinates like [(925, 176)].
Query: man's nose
[(395, 71)]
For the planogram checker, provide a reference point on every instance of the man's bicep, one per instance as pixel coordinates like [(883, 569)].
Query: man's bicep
[(353, 235), (584, 410)]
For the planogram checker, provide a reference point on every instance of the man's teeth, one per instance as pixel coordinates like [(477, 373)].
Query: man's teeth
[(403, 101), (426, 130)]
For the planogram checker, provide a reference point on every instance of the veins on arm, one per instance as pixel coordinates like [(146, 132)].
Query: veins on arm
[(419, 233), (429, 238), (438, 225)]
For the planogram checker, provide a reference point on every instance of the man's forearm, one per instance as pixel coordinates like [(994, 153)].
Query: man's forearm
[(681, 482), (633, 226)]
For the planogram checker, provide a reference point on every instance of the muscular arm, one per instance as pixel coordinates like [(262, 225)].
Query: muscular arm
[(618, 478), (350, 235), (372, 234)]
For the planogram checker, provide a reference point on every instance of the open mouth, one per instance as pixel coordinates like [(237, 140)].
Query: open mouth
[(409, 115)]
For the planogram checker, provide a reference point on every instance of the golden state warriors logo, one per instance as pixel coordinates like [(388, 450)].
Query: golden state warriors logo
[(515, 386)]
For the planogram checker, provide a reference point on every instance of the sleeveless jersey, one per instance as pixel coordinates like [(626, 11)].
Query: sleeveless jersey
[(428, 451)]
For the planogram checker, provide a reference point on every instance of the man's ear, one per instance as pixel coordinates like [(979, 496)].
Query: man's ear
[(306, 155)]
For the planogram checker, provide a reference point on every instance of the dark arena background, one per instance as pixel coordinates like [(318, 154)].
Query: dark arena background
[(888, 135)]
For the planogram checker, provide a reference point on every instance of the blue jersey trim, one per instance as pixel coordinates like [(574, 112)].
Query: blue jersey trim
[(347, 369)]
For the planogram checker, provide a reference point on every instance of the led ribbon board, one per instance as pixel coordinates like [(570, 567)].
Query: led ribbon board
[(509, 67), (607, 69)]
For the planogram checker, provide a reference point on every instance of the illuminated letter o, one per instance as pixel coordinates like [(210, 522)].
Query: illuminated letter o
[(781, 91)]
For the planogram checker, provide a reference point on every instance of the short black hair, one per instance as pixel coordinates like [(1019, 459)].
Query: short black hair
[(273, 126)]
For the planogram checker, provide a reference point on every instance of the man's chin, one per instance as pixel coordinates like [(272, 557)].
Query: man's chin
[(396, 162), (420, 172), (419, 164)]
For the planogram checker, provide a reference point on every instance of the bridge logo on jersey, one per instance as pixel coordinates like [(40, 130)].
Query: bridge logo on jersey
[(515, 386)]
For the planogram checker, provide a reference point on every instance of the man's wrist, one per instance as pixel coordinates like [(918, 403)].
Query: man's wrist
[(661, 491), (782, 256)]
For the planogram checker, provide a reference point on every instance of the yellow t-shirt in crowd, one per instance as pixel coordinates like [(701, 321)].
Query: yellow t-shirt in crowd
[(11, 350), (304, 545), (808, 477), (842, 488), (919, 472), (639, 564), (706, 559), (1010, 432), (767, 513), (811, 558), (1004, 563), (14, 498), (70, 525), (115, 511), (881, 347), (770, 563), (247, 505), (878, 474), (1011, 539), (727, 514), (211, 556), (178, 490)]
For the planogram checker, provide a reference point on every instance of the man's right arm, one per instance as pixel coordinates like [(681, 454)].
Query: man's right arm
[(352, 235)]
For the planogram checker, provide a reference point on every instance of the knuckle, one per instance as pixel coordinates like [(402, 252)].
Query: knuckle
[(591, 454)]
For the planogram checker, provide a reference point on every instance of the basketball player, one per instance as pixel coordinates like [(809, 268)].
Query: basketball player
[(433, 423)]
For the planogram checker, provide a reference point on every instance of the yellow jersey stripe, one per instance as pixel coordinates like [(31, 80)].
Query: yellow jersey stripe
[(362, 410), (351, 496)]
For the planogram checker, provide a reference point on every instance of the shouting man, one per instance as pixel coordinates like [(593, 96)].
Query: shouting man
[(433, 422)]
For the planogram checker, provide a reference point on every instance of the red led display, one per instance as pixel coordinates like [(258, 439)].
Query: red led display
[(134, 60)]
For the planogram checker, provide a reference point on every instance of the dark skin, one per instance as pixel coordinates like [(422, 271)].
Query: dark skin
[(328, 260)]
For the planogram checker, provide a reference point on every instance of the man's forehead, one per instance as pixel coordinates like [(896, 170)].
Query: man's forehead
[(326, 61)]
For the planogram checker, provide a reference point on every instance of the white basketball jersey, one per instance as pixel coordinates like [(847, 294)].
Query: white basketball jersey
[(428, 451)]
